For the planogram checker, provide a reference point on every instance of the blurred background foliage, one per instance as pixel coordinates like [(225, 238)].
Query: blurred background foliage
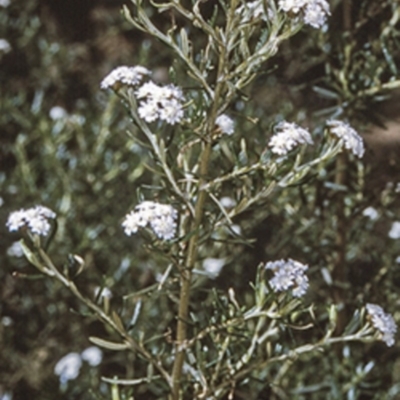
[(64, 144)]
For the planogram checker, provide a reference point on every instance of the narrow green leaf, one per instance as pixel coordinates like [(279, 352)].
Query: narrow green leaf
[(326, 93), (184, 42), (32, 258), (128, 382), (107, 344)]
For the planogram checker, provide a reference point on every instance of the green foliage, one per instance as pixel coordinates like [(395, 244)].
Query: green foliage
[(173, 327)]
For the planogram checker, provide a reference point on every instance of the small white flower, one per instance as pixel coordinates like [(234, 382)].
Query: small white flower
[(39, 225), (4, 3), (394, 232), (129, 76), (149, 89), (383, 322), (162, 221), (149, 111), (252, 10), (5, 46), (132, 223), (45, 212), (351, 139), (225, 123), (288, 274), (213, 266), (160, 217), (397, 190), (57, 113), (398, 260), (371, 213), (164, 226), (171, 111), (16, 220), (314, 12), (172, 92), (92, 355), (147, 210), (288, 136), (301, 285), (68, 367), (35, 218), (292, 5), (156, 102)]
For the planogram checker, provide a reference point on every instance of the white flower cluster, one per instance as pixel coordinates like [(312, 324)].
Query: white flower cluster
[(288, 136), (129, 76), (351, 139), (160, 217), (157, 102), (4, 3), (226, 124), (383, 322), (314, 12), (288, 274), (35, 218), (252, 10), (68, 367)]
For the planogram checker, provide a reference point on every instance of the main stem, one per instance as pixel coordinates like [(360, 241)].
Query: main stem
[(186, 278), (186, 273), (339, 272)]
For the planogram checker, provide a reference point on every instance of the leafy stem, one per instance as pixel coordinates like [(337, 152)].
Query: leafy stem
[(186, 273), (51, 270)]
